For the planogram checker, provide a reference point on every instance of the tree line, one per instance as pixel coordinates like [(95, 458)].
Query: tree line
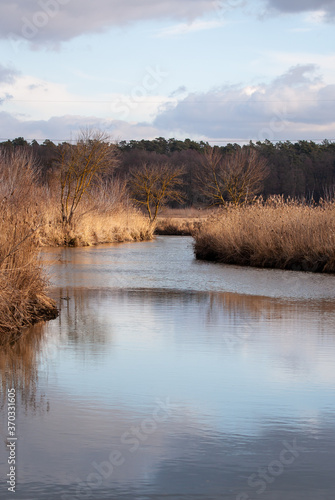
[(188, 172)]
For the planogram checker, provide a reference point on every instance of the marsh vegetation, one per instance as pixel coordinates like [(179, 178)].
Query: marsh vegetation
[(277, 233)]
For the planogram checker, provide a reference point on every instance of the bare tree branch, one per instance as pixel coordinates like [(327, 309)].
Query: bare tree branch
[(80, 165), (153, 185), (235, 177)]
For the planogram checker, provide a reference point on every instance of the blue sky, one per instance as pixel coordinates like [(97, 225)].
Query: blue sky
[(221, 71)]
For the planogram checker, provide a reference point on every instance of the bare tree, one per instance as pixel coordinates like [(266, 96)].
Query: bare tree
[(80, 165), (153, 185), (244, 174), (235, 177), (209, 175)]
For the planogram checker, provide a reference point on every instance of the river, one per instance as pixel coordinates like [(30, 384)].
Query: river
[(168, 378)]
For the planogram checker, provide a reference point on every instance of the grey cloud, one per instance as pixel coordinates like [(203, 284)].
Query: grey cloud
[(5, 98), (297, 75), (303, 6), (7, 75), (54, 21), (179, 91), (290, 107)]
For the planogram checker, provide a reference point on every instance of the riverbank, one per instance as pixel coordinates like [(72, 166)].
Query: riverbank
[(23, 288), (275, 234), (30, 218), (89, 229)]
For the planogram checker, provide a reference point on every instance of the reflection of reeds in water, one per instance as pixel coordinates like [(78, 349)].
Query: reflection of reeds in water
[(266, 307), (246, 315), (19, 369), (77, 323)]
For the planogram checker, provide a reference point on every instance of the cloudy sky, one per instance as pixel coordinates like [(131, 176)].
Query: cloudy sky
[(222, 71)]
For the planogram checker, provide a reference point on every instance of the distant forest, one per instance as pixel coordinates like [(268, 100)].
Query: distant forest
[(303, 169)]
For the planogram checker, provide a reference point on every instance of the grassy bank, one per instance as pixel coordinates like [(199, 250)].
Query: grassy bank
[(275, 234), (94, 227)]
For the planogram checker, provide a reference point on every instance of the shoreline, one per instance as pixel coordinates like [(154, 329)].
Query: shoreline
[(45, 310)]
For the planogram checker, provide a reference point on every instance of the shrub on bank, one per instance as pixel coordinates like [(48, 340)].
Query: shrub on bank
[(274, 234)]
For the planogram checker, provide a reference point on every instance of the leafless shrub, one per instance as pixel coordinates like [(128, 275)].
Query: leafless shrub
[(152, 185), (235, 177)]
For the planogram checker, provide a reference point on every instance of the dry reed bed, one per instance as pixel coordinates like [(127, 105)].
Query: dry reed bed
[(275, 234), (104, 216), (23, 298), (96, 228)]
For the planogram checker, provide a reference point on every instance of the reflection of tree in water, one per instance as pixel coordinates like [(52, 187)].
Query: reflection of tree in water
[(19, 370), (81, 319)]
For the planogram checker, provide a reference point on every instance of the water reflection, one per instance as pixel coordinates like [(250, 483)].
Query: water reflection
[(153, 393), (168, 263), (19, 369)]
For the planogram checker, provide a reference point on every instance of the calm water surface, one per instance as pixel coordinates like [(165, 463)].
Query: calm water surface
[(168, 378)]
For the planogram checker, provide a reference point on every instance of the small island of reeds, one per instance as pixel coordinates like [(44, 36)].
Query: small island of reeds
[(277, 233)]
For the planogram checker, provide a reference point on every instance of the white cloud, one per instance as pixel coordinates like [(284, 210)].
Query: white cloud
[(186, 28), (55, 21), (32, 98), (60, 128)]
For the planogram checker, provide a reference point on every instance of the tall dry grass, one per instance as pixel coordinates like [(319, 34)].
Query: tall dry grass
[(105, 215), (23, 297), (277, 234)]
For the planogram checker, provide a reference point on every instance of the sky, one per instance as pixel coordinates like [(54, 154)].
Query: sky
[(212, 70)]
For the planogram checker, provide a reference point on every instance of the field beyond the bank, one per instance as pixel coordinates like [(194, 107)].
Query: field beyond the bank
[(275, 234), (181, 221)]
